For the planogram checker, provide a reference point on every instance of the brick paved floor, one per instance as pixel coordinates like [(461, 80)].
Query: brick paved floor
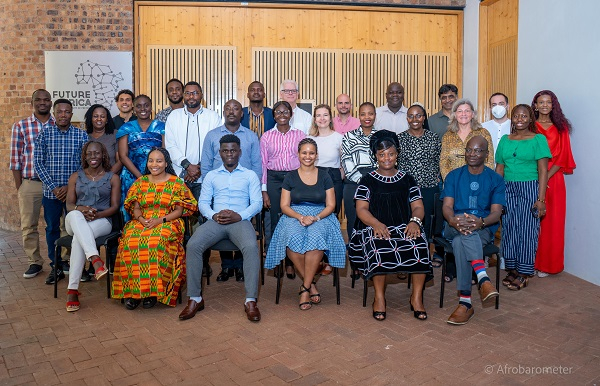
[(550, 326)]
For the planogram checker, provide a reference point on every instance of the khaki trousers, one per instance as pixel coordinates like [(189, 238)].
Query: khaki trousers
[(30, 203)]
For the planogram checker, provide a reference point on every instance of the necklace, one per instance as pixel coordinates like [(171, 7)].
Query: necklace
[(96, 176)]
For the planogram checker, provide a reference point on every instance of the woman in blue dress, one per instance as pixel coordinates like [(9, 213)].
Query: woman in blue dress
[(308, 228), (136, 138)]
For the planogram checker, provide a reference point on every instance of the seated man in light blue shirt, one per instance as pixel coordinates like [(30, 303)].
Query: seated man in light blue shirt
[(230, 196), (249, 158)]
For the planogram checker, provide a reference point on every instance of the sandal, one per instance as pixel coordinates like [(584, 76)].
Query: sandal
[(519, 283), (421, 315), (379, 315), (317, 295), (305, 305), (510, 277), (290, 273), (100, 270), (327, 269), (73, 304), (436, 261), (355, 274)]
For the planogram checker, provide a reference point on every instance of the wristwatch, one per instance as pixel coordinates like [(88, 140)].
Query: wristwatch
[(185, 163), (164, 220)]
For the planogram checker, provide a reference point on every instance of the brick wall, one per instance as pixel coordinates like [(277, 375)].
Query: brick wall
[(29, 27)]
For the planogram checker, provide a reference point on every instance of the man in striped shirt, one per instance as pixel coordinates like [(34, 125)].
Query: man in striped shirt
[(27, 182), (57, 154)]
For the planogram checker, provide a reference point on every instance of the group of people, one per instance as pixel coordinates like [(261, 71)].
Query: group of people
[(384, 168)]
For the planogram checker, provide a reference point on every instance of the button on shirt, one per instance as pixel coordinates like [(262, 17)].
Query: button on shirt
[(250, 158), (497, 130), (22, 142), (57, 155), (238, 191), (388, 120)]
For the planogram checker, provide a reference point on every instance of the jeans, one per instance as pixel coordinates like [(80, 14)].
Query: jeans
[(53, 211)]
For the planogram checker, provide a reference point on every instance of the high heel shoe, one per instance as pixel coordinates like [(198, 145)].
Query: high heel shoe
[(421, 315), (73, 305), (305, 305), (379, 315), (317, 295), (292, 275), (101, 270)]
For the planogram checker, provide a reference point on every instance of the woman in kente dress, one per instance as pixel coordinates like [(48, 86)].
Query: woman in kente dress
[(388, 236), (136, 138), (151, 259), (552, 124)]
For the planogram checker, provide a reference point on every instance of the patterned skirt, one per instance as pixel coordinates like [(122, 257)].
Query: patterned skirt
[(374, 256), (324, 235), (150, 262)]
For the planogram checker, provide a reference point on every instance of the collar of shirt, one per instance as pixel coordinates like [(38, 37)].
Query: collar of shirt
[(361, 132), (240, 129), (66, 131), (187, 112), (222, 169), (262, 111), (49, 122), (403, 109)]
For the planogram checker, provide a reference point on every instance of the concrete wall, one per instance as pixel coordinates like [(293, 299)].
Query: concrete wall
[(559, 51)]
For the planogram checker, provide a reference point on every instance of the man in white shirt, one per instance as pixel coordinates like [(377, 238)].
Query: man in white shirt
[(185, 131), (289, 92), (500, 124), (392, 116)]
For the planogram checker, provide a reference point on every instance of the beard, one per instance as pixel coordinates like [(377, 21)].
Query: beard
[(175, 101)]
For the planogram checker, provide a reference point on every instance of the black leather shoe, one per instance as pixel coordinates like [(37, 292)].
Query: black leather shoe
[(225, 274), (59, 273), (149, 302), (131, 304), (239, 274)]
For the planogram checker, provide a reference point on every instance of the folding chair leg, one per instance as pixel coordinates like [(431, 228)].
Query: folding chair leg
[(336, 283), (57, 258), (443, 281), (279, 268), (498, 280), (366, 285)]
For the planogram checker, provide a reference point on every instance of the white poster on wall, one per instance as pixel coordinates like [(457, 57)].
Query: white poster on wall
[(88, 77)]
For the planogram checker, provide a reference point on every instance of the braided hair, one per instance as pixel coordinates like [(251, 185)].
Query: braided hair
[(169, 169)]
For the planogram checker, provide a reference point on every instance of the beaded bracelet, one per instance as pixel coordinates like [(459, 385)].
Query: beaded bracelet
[(417, 220)]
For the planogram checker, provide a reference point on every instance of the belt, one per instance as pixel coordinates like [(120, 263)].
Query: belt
[(31, 179)]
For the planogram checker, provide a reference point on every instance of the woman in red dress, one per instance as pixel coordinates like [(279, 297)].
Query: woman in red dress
[(552, 123)]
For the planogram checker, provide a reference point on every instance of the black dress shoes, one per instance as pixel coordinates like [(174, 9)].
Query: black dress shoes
[(239, 274), (225, 274), (190, 310)]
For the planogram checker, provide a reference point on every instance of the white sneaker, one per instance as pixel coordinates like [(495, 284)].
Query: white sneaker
[(542, 274)]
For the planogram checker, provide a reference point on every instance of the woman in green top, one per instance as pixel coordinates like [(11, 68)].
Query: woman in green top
[(522, 159)]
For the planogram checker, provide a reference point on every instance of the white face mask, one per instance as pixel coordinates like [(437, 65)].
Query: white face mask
[(499, 111)]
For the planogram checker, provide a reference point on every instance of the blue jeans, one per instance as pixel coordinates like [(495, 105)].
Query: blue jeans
[(53, 211)]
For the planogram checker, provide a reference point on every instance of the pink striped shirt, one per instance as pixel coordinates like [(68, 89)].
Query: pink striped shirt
[(279, 151)]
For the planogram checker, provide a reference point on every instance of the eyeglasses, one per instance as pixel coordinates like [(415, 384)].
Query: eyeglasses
[(289, 91), (191, 93), (282, 112), (415, 116), (475, 151)]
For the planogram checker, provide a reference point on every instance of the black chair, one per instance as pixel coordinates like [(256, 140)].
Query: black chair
[(437, 225), (106, 241)]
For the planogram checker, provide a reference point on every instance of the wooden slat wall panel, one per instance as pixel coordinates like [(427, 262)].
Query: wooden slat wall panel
[(322, 75), (503, 57), (214, 68), (323, 27), (498, 36)]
